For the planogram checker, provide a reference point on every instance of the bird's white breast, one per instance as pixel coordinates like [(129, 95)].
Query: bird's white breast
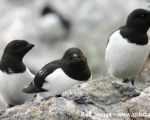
[(125, 59), (11, 86), (58, 82), (3, 104)]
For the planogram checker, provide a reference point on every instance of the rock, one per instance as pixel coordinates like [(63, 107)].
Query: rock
[(139, 107), (34, 110), (63, 109), (106, 98), (142, 80), (111, 90)]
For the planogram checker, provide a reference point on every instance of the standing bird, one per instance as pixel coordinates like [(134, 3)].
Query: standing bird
[(59, 75), (14, 75), (128, 47)]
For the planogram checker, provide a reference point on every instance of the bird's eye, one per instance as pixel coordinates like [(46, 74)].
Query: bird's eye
[(142, 16), (17, 45), (66, 57)]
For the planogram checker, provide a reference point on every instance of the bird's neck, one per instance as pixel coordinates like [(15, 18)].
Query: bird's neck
[(82, 74), (12, 64), (140, 28)]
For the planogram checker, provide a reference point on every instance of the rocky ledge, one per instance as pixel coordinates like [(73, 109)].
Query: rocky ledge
[(105, 98)]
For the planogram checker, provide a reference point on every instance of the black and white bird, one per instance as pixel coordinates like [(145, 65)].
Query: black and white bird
[(129, 47), (60, 75), (14, 75)]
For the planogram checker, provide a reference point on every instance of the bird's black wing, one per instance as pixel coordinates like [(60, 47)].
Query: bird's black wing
[(39, 80)]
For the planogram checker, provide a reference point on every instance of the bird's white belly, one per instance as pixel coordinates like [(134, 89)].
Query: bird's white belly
[(125, 59), (58, 82), (11, 86), (3, 104)]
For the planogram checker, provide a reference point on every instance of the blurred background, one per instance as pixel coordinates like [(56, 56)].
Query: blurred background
[(56, 25)]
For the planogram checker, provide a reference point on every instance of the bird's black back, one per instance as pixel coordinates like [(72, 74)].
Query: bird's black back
[(49, 68)]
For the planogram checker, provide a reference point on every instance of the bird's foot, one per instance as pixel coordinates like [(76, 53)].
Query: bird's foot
[(11, 105), (58, 95)]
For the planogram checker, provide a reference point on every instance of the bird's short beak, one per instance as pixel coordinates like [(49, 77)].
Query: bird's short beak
[(75, 56), (30, 45)]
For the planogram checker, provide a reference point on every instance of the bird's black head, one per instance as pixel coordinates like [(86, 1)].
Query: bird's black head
[(17, 48), (73, 59), (14, 52), (139, 19)]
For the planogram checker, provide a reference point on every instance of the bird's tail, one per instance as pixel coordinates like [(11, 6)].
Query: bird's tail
[(31, 89)]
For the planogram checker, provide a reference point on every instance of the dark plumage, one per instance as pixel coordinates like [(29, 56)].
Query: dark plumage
[(13, 55), (128, 47), (48, 10), (60, 75), (14, 75)]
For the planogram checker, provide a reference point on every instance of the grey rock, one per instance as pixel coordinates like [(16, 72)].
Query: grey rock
[(106, 98), (107, 91), (143, 78), (34, 110), (140, 105), (69, 110)]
